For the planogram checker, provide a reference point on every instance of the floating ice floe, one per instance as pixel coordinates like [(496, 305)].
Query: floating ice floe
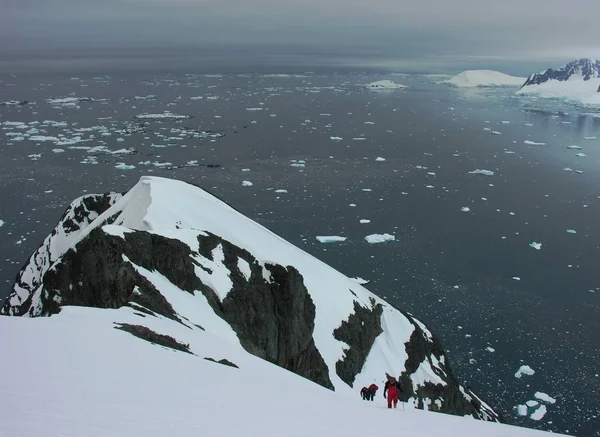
[(14, 103), (571, 231), (123, 166), (281, 191), (544, 397), (495, 132), (379, 238), (465, 209), (490, 349), (482, 172), (68, 100), (164, 115), (254, 109), (581, 155), (247, 184), (358, 139), (1, 223), (379, 159), (41, 138), (536, 246), (364, 221), (384, 85), (524, 370), (573, 146), (533, 143), (157, 164), (539, 413), (148, 97), (522, 410), (590, 138), (330, 239), (336, 138), (90, 160), (516, 278), (58, 150)]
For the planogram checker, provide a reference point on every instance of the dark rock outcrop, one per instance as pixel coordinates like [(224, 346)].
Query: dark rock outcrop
[(149, 335), (587, 68), (359, 332), (424, 347), (223, 361)]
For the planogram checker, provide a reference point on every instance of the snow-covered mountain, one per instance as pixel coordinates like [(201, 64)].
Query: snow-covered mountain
[(484, 78), (578, 81), (384, 85), (173, 314)]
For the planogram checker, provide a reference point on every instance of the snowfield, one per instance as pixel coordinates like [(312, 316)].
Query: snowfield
[(74, 375), (484, 78), (575, 90)]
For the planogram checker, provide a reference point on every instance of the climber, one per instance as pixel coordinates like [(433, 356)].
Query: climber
[(371, 391), (392, 388), (364, 393)]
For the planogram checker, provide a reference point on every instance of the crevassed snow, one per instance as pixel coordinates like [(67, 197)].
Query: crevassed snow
[(384, 85), (484, 78), (524, 370)]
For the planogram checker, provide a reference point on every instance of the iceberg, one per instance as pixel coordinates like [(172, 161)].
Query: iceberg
[(379, 238), (484, 78), (330, 239)]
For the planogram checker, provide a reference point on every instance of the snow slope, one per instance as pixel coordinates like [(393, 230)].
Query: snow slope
[(484, 78), (73, 375)]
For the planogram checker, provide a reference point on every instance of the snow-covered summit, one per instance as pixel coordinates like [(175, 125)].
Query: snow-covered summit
[(384, 85), (578, 82), (484, 78), (168, 257)]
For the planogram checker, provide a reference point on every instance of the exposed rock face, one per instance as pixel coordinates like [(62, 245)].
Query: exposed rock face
[(359, 332), (586, 68), (424, 347), (106, 252)]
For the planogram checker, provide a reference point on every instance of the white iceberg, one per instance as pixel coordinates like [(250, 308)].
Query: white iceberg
[(484, 78), (482, 172), (330, 239), (536, 246), (379, 238), (544, 397), (384, 85), (524, 370)]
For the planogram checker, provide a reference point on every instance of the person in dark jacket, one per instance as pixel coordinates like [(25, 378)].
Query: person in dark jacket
[(392, 388), (364, 393)]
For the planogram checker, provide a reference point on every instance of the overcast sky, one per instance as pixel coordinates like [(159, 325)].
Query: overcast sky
[(366, 32)]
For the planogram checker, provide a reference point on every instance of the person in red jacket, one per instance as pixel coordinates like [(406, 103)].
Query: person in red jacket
[(371, 391), (392, 388)]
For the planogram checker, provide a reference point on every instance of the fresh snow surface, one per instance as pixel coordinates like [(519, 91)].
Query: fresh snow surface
[(161, 392), (484, 78), (575, 90), (379, 238), (330, 239), (384, 85), (524, 370)]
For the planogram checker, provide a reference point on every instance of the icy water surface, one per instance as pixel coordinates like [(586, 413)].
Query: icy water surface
[(496, 220)]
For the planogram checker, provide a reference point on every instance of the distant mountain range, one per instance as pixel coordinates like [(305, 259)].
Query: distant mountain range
[(582, 69)]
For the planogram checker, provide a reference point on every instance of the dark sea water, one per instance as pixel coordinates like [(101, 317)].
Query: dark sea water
[(455, 270)]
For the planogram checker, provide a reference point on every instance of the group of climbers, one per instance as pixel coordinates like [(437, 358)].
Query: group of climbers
[(391, 391)]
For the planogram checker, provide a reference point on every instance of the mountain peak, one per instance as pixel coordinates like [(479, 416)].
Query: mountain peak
[(580, 69)]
